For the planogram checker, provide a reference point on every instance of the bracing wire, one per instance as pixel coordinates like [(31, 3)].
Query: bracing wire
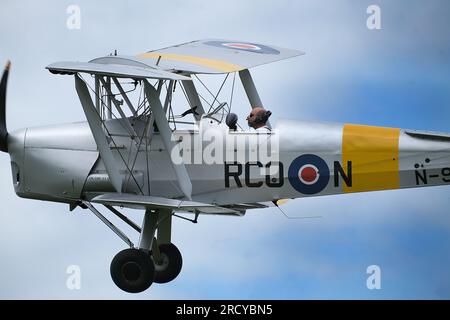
[(296, 218), (220, 89), (212, 95)]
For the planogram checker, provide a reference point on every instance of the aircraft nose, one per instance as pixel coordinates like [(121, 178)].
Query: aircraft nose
[(16, 146), (16, 141)]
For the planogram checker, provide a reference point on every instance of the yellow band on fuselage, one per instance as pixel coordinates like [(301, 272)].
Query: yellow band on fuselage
[(374, 153)]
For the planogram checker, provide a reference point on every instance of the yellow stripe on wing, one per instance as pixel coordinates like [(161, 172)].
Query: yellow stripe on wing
[(373, 152), (218, 65)]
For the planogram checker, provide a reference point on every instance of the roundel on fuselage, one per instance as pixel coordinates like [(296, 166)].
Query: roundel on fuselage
[(309, 174)]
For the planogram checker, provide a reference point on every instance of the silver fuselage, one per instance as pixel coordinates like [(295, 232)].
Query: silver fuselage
[(61, 163)]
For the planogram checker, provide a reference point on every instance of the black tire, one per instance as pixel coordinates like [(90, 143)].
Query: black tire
[(132, 271), (171, 265)]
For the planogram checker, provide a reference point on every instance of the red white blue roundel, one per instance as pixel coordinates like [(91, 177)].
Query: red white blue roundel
[(243, 46), (309, 174)]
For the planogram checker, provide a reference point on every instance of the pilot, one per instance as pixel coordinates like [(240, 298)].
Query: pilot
[(257, 119)]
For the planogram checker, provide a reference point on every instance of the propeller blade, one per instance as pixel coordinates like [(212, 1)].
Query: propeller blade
[(3, 130)]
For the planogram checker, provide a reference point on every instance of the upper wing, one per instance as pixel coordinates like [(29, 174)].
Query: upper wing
[(210, 56), (216, 56)]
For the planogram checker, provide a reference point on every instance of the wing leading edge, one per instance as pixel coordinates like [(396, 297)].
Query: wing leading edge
[(114, 70)]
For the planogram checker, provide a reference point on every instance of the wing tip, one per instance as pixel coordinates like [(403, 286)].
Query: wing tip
[(8, 65)]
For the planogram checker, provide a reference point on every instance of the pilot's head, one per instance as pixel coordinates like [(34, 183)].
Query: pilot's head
[(258, 117)]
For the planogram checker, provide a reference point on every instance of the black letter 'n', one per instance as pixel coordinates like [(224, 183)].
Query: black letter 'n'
[(338, 170)]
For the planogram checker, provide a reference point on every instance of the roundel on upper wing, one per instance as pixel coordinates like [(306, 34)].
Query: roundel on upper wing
[(243, 46), (309, 174)]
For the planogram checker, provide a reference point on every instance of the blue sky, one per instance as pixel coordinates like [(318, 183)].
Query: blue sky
[(398, 76)]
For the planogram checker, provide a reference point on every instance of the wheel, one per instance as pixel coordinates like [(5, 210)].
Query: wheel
[(132, 271), (170, 265)]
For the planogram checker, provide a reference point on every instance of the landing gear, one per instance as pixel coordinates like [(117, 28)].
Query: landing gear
[(154, 260), (132, 271), (169, 264)]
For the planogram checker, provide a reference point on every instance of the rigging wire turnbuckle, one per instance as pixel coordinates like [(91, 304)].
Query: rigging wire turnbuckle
[(195, 220)]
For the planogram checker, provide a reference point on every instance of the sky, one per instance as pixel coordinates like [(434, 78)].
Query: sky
[(398, 76)]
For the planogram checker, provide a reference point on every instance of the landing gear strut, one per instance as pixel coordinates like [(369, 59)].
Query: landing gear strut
[(155, 260)]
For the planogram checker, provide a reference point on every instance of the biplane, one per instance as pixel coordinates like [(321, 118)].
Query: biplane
[(135, 152)]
